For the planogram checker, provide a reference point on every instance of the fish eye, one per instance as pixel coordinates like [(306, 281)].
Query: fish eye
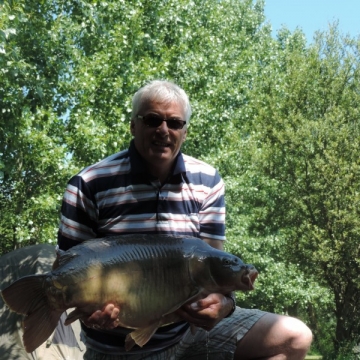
[(226, 261)]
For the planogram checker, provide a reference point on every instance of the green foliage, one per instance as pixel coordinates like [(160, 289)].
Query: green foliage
[(305, 187), (32, 147), (70, 69)]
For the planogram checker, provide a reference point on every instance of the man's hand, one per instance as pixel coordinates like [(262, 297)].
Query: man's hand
[(206, 312), (103, 319)]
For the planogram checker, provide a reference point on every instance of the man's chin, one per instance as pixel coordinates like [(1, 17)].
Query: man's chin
[(160, 159), (161, 153)]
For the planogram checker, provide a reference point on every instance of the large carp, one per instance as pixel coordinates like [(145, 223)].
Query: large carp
[(147, 276)]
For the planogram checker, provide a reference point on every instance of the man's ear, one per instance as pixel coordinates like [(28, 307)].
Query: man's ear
[(184, 136), (132, 127)]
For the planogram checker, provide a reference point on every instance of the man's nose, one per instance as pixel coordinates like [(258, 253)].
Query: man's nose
[(163, 128)]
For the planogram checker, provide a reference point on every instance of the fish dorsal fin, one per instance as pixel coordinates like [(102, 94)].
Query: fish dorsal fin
[(63, 257)]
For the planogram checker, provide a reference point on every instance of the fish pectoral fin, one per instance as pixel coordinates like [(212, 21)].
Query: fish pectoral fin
[(190, 297), (129, 342), (170, 318), (73, 316), (140, 336)]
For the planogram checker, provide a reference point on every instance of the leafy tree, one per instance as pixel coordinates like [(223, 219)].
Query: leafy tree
[(304, 165), (206, 49), (69, 70), (31, 145)]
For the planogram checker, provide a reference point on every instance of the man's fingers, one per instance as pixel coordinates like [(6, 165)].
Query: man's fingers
[(105, 319), (115, 313)]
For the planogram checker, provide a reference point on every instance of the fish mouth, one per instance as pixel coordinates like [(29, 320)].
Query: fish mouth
[(249, 278)]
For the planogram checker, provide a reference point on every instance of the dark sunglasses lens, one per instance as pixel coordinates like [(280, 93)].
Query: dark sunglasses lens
[(175, 124), (152, 120)]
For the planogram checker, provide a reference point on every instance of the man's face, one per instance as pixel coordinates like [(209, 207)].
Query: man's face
[(159, 145)]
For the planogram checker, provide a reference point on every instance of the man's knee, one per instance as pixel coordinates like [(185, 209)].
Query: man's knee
[(300, 336), (295, 338), (275, 336)]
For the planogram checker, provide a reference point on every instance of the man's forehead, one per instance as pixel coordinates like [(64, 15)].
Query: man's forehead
[(174, 106)]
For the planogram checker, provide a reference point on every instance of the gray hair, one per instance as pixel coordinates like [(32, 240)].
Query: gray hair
[(161, 91)]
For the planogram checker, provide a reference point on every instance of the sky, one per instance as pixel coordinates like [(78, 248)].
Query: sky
[(313, 15)]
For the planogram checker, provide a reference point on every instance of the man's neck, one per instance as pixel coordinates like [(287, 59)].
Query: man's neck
[(160, 173)]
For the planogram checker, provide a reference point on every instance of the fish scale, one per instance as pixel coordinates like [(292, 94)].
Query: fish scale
[(158, 277)]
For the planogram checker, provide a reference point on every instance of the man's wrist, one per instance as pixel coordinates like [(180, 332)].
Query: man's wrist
[(232, 298)]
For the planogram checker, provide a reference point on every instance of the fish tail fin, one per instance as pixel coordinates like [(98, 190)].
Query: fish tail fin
[(39, 326), (27, 296)]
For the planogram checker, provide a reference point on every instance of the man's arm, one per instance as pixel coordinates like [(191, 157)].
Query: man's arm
[(217, 244), (207, 312), (79, 217)]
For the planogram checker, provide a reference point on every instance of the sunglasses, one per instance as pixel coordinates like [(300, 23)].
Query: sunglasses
[(154, 121)]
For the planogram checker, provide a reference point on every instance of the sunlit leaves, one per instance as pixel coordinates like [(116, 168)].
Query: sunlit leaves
[(305, 170)]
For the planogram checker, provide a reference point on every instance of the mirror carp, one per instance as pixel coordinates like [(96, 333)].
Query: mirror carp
[(148, 277)]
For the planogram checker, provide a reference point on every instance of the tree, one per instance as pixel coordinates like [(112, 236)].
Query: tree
[(304, 165), (32, 100), (70, 69)]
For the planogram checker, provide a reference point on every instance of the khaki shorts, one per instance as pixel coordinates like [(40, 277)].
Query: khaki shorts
[(219, 343)]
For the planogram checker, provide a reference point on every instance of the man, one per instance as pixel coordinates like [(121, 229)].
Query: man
[(153, 188)]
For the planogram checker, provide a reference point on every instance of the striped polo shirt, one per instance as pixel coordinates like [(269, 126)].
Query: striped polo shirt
[(117, 196)]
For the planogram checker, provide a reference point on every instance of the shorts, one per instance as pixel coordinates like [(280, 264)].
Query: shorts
[(219, 343)]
